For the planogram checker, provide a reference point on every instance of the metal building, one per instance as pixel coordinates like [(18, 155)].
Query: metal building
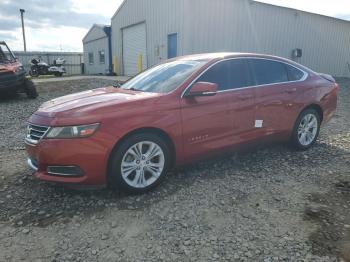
[(97, 50), (146, 32)]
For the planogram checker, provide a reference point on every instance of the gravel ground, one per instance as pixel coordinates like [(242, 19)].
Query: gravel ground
[(269, 204)]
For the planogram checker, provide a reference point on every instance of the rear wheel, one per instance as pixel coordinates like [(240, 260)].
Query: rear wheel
[(306, 129), (140, 163), (30, 89)]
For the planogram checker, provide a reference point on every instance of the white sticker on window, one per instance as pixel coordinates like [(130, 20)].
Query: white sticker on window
[(259, 123)]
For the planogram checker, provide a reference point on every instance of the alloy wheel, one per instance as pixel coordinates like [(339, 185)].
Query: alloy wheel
[(307, 130), (142, 164)]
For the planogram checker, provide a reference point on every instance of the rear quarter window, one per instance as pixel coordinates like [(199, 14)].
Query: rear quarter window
[(294, 74)]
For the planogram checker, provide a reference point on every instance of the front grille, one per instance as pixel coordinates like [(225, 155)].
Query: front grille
[(35, 133)]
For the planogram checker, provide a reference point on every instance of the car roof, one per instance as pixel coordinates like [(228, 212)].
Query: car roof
[(224, 55), (212, 57)]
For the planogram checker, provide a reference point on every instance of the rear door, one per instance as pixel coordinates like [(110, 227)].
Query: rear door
[(275, 95), (242, 101)]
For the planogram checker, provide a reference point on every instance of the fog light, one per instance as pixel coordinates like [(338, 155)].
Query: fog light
[(68, 171)]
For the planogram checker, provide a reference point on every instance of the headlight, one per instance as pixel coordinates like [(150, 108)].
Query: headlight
[(19, 69), (72, 131)]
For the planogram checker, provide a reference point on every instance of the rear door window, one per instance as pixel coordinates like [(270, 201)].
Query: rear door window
[(239, 74), (268, 71)]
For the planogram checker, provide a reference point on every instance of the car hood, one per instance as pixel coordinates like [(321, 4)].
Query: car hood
[(9, 67), (87, 102)]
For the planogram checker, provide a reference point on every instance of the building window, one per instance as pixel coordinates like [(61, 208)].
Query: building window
[(91, 58), (102, 56)]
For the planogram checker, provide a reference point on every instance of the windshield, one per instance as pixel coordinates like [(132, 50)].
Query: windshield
[(5, 54), (164, 78)]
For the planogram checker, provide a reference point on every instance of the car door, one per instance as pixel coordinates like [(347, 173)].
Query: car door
[(206, 120), (275, 96), (218, 122), (242, 101)]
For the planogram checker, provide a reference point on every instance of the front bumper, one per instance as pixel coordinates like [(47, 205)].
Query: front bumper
[(70, 161), (32, 164)]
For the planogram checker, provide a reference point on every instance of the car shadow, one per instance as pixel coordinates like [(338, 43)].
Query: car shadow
[(25, 200)]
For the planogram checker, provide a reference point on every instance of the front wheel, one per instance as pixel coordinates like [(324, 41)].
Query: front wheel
[(30, 89), (34, 73), (140, 163), (306, 129)]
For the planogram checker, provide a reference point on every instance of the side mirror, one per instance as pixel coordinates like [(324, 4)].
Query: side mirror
[(202, 89)]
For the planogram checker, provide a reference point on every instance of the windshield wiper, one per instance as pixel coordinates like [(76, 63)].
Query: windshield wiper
[(117, 85), (134, 89)]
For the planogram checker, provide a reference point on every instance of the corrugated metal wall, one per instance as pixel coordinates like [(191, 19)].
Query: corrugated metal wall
[(96, 40), (162, 17), (238, 26), (72, 65), (94, 47)]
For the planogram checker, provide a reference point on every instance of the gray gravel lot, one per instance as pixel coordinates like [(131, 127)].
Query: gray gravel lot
[(269, 204)]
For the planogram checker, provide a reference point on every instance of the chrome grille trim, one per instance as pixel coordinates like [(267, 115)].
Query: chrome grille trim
[(35, 133)]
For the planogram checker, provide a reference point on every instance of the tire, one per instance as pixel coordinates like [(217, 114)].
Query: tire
[(305, 135), (30, 89), (34, 73), (58, 74), (121, 178)]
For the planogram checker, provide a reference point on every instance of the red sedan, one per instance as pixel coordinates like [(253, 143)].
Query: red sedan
[(174, 113)]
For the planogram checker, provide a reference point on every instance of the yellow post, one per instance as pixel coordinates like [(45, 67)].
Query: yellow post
[(139, 63)]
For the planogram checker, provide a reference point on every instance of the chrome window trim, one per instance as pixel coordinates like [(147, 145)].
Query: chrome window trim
[(305, 76)]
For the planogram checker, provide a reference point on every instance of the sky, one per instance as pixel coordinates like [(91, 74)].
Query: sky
[(52, 25), (60, 25)]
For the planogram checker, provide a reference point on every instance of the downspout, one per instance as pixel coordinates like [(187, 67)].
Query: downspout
[(108, 32)]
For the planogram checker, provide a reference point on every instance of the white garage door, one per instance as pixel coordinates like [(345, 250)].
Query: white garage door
[(134, 44)]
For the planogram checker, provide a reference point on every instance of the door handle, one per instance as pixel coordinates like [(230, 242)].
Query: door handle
[(245, 97), (290, 91)]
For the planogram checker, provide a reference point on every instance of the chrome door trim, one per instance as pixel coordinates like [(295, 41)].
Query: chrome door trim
[(305, 76)]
